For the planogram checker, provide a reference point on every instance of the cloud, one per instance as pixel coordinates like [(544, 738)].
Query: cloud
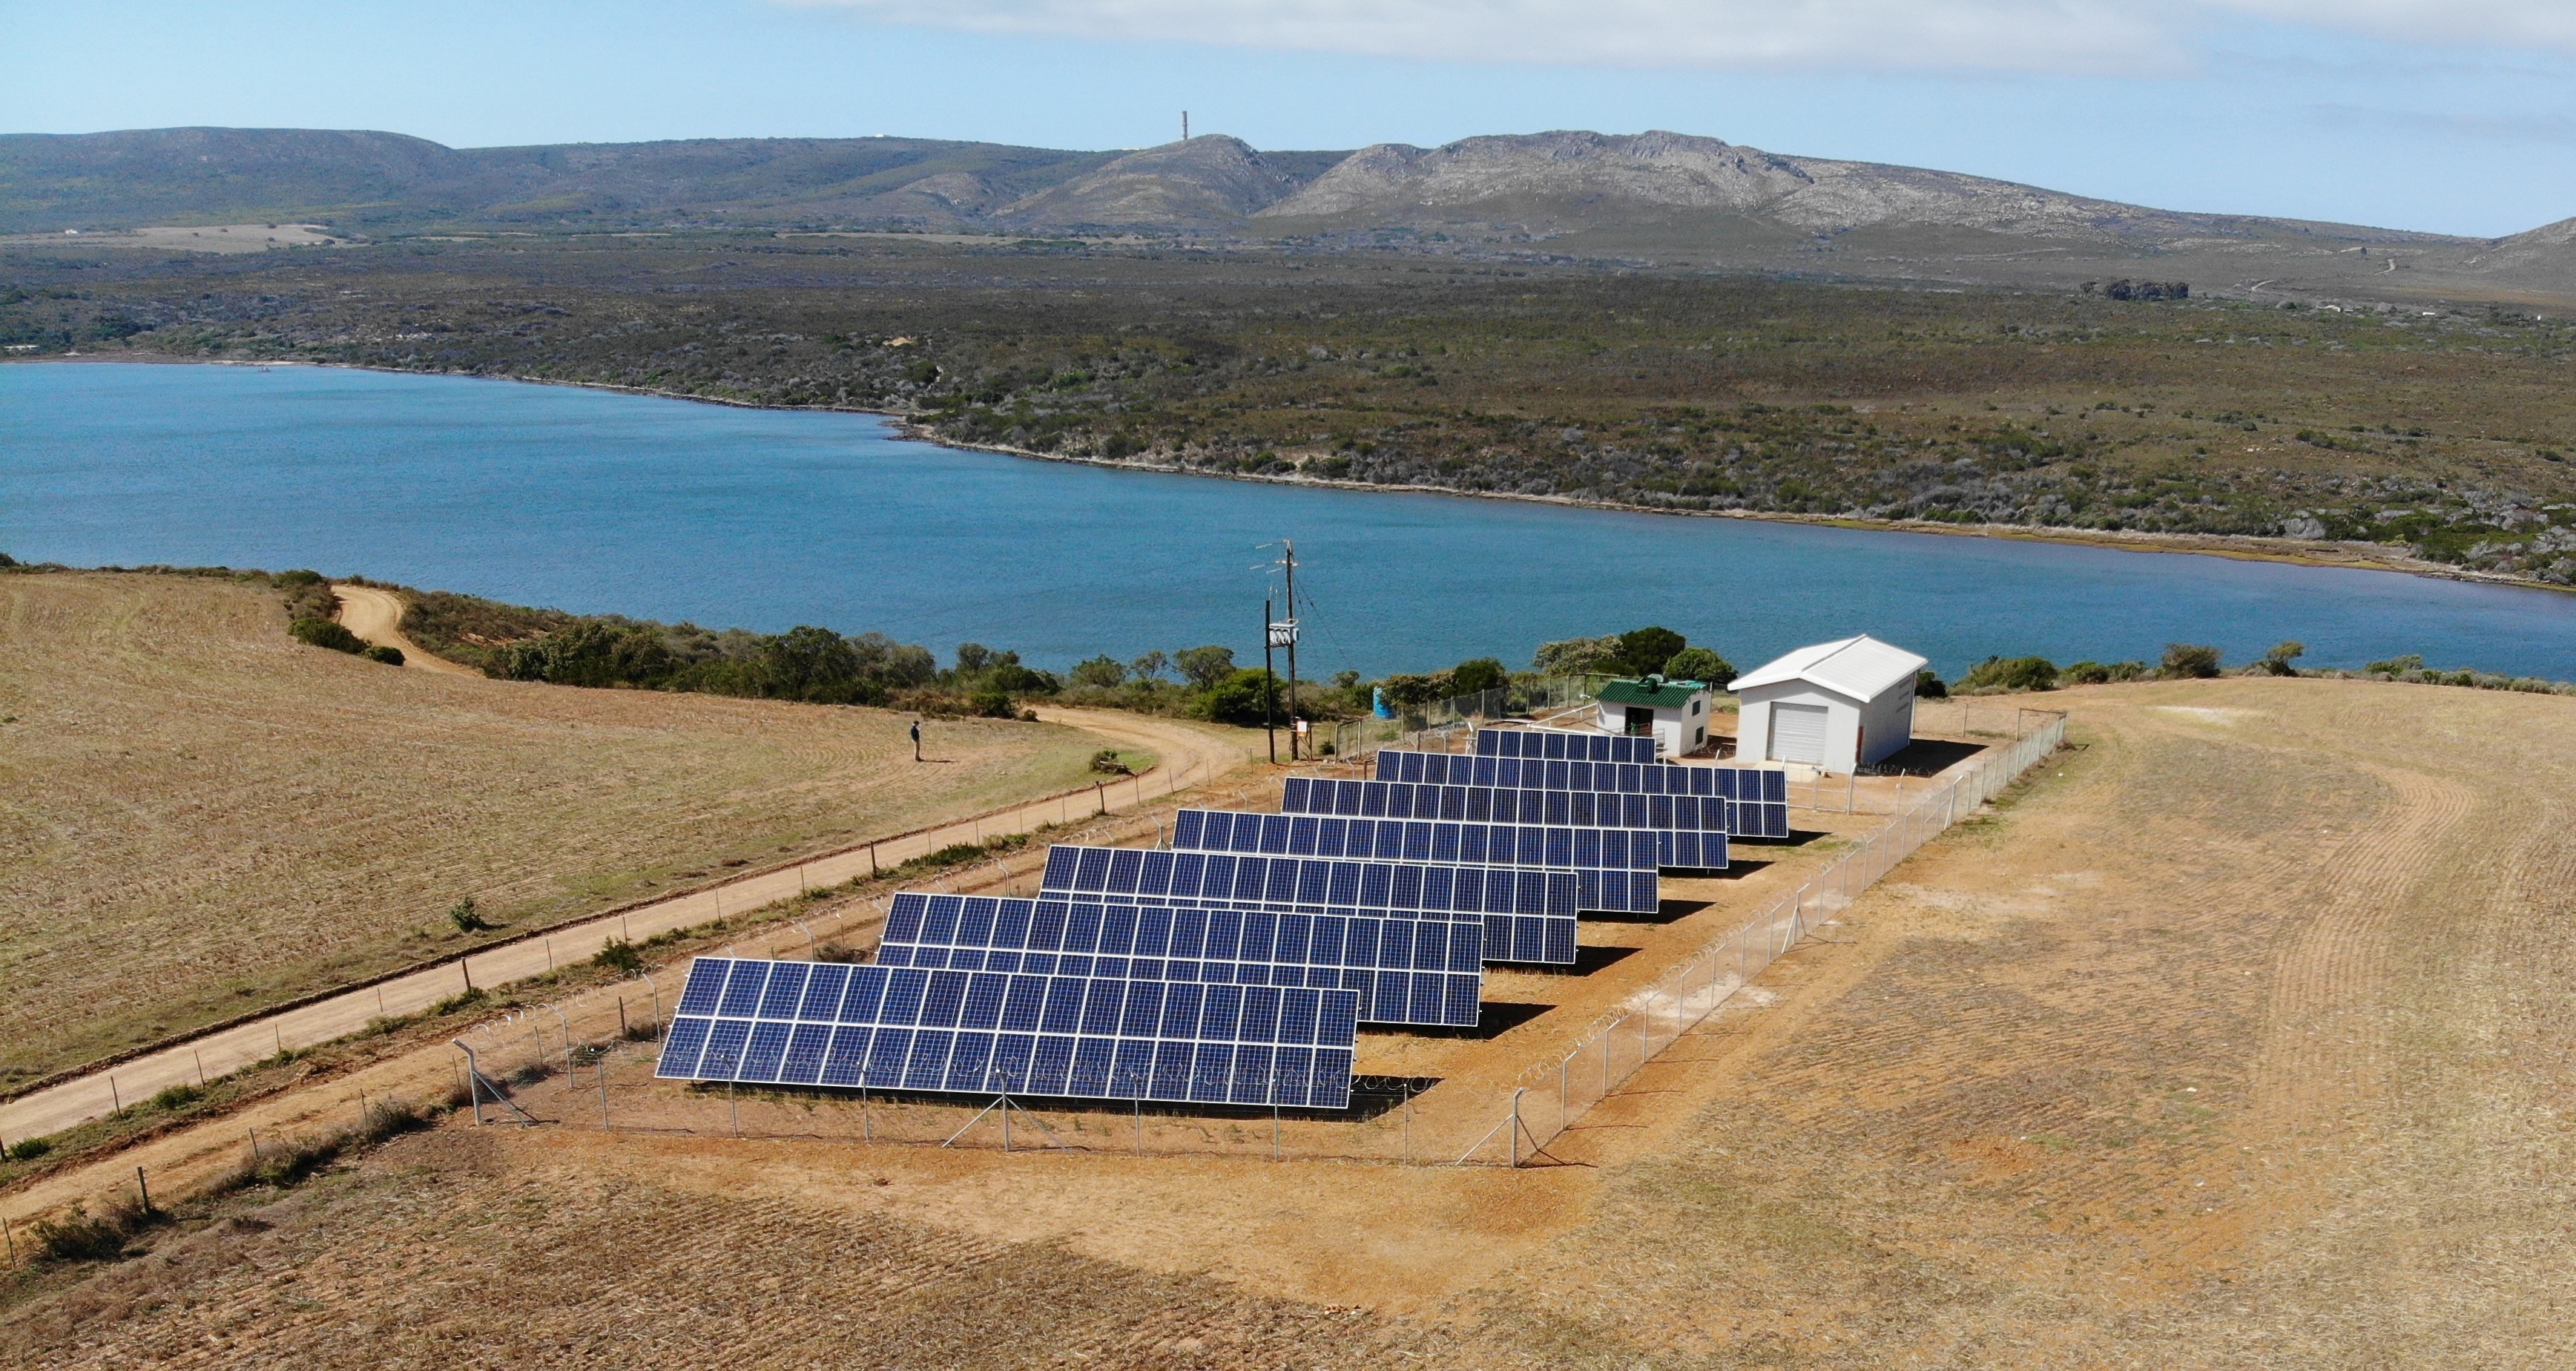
[(2089, 37)]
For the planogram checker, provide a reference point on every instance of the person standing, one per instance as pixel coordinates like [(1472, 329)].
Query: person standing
[(916, 740)]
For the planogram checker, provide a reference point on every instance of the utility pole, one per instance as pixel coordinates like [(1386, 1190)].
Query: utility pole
[(1185, 126), (1288, 559), (1270, 687)]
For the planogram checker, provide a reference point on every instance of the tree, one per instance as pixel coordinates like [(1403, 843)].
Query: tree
[(1929, 687), (807, 663), (1478, 676), (1205, 666), (1700, 664), (2010, 673), (1412, 692), (1248, 697), (2277, 661), (2189, 661), (972, 658), (1576, 656), (1150, 667), (1643, 650), (1100, 673)]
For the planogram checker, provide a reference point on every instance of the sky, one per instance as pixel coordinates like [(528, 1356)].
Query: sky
[(2454, 116)]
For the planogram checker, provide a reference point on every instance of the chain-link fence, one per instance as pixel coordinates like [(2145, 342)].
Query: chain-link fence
[(1437, 726)]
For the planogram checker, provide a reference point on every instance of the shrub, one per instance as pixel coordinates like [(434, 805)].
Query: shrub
[(326, 633), (390, 656), (618, 954), (1248, 698), (466, 917), (1927, 686), (78, 1237), (2011, 673), (1205, 667), (1108, 763), (2189, 661), (2397, 666), (178, 1096), (993, 704), (1644, 650), (29, 1149), (1703, 665), (1100, 673), (1478, 676), (1576, 656), (2277, 661)]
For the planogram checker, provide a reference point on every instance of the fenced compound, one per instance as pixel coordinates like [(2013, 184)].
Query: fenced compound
[(588, 1063)]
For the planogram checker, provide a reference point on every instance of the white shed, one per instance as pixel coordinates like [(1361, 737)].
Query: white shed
[(1836, 706), (1673, 713)]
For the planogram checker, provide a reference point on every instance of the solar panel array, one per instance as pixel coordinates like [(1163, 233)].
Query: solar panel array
[(1529, 914), (1615, 865), (1088, 1037), (1547, 743), (1766, 792), (1405, 970), (1493, 804)]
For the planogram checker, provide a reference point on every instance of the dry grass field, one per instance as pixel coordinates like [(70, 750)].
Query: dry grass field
[(199, 816), (2240, 1038)]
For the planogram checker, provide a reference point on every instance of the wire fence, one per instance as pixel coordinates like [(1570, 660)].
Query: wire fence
[(1550, 1097), (587, 1063), (1433, 726)]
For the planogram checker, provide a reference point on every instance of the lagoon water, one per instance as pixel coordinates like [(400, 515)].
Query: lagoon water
[(665, 509)]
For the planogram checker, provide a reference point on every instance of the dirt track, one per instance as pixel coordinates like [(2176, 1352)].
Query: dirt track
[(376, 615)]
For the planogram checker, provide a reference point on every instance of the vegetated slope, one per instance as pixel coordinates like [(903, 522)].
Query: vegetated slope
[(2443, 436), (203, 816), (1650, 198)]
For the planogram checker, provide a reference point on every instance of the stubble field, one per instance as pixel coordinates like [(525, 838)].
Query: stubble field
[(200, 816), (2238, 1037)]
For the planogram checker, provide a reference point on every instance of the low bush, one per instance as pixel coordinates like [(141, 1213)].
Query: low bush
[(2189, 661), (328, 633), (2010, 673), (618, 954), (79, 1236), (390, 656)]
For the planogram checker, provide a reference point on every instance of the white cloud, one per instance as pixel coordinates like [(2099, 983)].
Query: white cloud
[(2074, 36)]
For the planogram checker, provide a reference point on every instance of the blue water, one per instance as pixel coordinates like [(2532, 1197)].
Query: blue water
[(670, 510)]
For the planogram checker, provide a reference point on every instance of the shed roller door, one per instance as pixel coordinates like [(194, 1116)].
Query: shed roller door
[(1798, 734)]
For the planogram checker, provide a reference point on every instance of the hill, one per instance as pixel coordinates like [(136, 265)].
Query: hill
[(205, 817)]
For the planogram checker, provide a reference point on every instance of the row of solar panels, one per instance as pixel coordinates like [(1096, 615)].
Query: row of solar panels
[(1423, 840), (1404, 970), (893, 1028), (1319, 795), (1547, 743), (1760, 807)]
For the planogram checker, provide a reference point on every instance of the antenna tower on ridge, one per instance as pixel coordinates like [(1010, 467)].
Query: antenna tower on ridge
[(1185, 126)]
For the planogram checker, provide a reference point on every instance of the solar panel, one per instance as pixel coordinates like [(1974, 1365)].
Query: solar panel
[(1495, 805), (1082, 1037), (1405, 970), (1597, 855), (1567, 746), (1768, 789), (1529, 914)]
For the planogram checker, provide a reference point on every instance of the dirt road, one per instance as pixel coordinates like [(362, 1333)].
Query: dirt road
[(376, 615), (1186, 755)]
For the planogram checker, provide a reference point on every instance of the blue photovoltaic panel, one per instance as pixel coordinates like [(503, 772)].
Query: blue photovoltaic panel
[(1405, 970), (1325, 834), (1493, 805), (1767, 789), (984, 1032), (1540, 742), (1605, 861), (1529, 913)]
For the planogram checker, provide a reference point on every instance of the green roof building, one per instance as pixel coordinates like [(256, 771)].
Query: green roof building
[(1673, 713)]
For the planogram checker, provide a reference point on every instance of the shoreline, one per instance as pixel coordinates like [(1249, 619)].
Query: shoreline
[(2232, 546)]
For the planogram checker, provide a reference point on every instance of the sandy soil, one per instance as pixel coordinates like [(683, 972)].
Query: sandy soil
[(376, 615)]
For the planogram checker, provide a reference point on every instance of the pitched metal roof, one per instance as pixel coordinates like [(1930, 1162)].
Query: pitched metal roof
[(1654, 690), (1863, 668)]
